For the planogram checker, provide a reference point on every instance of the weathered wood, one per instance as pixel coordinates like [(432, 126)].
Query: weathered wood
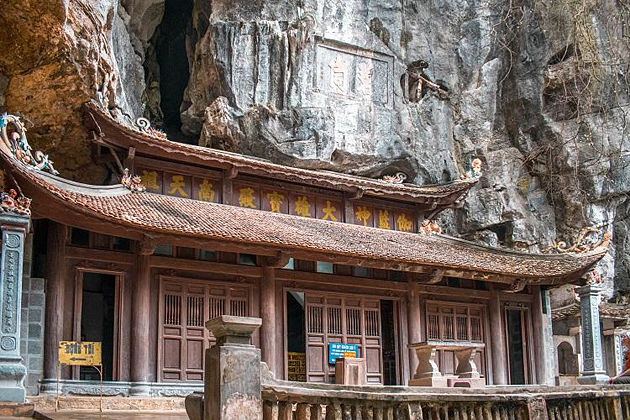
[(55, 296), (497, 342), (268, 338), (140, 323)]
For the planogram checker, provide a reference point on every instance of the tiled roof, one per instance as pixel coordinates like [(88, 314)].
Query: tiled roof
[(124, 136), (148, 212)]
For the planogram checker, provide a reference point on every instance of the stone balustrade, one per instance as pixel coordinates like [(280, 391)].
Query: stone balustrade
[(288, 400), (239, 386)]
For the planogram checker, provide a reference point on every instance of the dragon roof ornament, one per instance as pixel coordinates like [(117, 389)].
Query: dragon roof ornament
[(14, 142), (132, 182), (11, 203), (144, 126), (397, 178), (589, 239)]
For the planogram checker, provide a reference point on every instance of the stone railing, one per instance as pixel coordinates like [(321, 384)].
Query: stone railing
[(289, 400), (238, 386)]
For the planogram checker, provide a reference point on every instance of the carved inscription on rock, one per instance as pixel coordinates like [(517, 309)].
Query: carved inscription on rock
[(354, 73)]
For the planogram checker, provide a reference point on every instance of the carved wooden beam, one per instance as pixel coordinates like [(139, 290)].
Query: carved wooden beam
[(278, 261), (435, 277), (232, 172), (517, 286), (146, 246)]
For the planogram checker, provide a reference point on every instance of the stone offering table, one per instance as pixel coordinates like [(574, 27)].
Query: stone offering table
[(428, 373)]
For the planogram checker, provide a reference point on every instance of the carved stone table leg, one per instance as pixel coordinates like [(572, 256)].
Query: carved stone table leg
[(427, 373), (466, 367)]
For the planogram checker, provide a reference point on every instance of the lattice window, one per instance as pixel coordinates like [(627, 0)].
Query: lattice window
[(353, 321), (194, 311), (433, 329), (462, 327), (216, 306), (238, 307), (475, 329), (172, 309), (334, 320), (315, 324), (449, 333), (372, 323)]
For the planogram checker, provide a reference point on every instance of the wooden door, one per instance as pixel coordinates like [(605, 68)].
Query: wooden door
[(185, 306), (342, 319)]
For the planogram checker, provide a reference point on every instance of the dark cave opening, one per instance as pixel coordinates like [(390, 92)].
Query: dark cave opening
[(172, 57)]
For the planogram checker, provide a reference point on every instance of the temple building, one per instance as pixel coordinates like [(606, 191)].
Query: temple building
[(191, 233)]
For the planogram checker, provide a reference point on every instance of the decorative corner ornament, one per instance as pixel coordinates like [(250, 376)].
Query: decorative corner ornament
[(132, 182), (429, 227), (517, 286), (144, 126), (589, 239), (15, 143), (11, 203), (593, 278), (475, 170), (397, 178)]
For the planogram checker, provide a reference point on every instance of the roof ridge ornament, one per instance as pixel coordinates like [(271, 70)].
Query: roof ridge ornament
[(11, 203), (475, 170), (143, 125), (430, 227), (132, 182), (589, 239), (16, 144), (397, 178)]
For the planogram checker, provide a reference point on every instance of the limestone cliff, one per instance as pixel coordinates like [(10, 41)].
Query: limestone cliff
[(537, 89)]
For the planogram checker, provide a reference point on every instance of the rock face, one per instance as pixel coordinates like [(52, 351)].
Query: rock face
[(537, 89)]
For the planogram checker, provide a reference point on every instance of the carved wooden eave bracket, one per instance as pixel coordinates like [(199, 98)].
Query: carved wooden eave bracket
[(281, 259), (147, 245), (435, 277), (517, 286)]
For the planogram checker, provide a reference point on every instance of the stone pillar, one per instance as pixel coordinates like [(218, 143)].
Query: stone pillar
[(593, 371), (12, 371), (55, 278), (140, 324), (413, 324), (232, 374), (497, 341), (544, 350), (268, 339)]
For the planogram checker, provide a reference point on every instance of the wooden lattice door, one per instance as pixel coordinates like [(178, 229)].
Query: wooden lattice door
[(342, 319), (185, 306)]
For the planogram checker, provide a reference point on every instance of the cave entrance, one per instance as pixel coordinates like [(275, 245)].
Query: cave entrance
[(173, 62)]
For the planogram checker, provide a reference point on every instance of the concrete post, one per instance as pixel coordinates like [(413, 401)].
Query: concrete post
[(12, 371), (232, 374), (592, 361)]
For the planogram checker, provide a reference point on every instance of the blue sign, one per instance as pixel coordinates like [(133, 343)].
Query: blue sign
[(336, 350)]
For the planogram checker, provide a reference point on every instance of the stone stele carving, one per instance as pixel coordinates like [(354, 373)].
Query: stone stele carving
[(588, 239), (11, 203), (14, 142)]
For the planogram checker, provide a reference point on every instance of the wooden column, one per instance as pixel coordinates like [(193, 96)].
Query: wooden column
[(140, 323), (497, 341), (55, 279), (544, 351), (413, 324), (268, 339)]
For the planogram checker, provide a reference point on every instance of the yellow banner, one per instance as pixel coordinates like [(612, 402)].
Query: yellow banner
[(80, 353)]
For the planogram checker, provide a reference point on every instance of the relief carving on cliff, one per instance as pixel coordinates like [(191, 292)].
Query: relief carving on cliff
[(14, 142)]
